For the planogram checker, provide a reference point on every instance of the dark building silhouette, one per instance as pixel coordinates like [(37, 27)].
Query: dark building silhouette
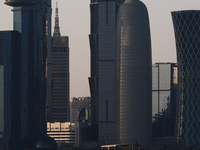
[(133, 75), (46, 142), (10, 92), (164, 97), (102, 80), (187, 34), (32, 19), (59, 109)]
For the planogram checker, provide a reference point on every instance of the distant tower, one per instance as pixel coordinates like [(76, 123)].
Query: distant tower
[(133, 75), (187, 35), (59, 110), (164, 96), (77, 105)]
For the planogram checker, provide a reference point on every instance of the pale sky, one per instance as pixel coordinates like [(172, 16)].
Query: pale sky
[(74, 18)]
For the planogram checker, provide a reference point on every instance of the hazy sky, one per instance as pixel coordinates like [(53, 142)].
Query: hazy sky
[(75, 22)]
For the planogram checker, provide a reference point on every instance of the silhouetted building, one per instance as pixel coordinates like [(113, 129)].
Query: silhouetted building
[(33, 21), (59, 108), (133, 75), (187, 35), (10, 92), (80, 109), (102, 80), (164, 97)]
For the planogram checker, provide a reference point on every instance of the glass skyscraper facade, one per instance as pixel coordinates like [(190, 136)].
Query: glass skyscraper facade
[(187, 35), (34, 24), (164, 96), (102, 80), (10, 92), (133, 75)]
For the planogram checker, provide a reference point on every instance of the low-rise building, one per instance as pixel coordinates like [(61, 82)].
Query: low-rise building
[(62, 132)]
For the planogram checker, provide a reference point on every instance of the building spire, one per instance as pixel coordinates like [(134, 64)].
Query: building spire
[(56, 27)]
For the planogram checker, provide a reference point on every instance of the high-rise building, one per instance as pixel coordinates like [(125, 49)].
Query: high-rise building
[(164, 96), (10, 92), (133, 75), (187, 28), (59, 109), (102, 80), (32, 18)]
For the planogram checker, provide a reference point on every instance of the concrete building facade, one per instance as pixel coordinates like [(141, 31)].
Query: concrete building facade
[(80, 109), (62, 132)]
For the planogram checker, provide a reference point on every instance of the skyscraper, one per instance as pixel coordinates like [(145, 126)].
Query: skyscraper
[(133, 75), (187, 29), (32, 19), (102, 80), (10, 92), (164, 96), (59, 109)]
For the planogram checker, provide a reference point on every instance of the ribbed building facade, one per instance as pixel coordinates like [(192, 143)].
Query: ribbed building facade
[(164, 97), (33, 20), (133, 75), (59, 108), (102, 80), (187, 35)]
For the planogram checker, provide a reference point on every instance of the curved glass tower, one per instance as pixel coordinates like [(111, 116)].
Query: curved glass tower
[(133, 75), (187, 35)]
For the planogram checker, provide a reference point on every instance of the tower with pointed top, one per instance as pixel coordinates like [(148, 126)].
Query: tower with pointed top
[(56, 27), (59, 108)]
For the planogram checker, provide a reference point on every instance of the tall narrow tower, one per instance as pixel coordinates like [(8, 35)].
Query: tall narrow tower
[(59, 110), (133, 75), (102, 80), (32, 18)]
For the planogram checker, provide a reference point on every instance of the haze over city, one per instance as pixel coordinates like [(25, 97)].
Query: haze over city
[(74, 21)]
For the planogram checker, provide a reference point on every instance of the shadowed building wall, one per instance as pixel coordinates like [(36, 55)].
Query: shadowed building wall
[(10, 91)]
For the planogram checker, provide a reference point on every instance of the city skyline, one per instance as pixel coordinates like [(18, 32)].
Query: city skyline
[(75, 23)]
